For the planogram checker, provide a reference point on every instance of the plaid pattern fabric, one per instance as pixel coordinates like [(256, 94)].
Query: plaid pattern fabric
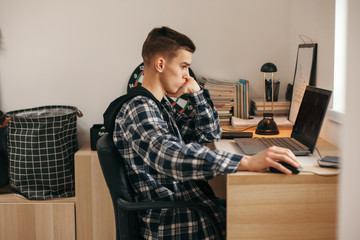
[(165, 161), (41, 145)]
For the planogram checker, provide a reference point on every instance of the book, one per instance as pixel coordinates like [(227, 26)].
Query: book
[(329, 161), (275, 112), (280, 107), (267, 108), (244, 96), (259, 102)]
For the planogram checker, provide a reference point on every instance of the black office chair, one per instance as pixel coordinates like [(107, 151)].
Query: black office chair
[(125, 208)]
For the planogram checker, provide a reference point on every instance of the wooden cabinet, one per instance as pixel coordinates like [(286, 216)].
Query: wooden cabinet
[(36, 220), (94, 208), (87, 216)]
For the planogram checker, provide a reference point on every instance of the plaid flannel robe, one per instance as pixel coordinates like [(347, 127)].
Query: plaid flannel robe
[(164, 160)]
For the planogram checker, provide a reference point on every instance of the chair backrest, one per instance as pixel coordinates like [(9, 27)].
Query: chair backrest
[(114, 170)]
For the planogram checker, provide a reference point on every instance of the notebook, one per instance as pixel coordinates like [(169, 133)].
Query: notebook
[(306, 128)]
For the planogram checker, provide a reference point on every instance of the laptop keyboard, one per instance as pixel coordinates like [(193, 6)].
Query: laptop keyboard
[(285, 142)]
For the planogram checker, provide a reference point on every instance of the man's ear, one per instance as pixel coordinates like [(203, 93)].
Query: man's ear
[(160, 64)]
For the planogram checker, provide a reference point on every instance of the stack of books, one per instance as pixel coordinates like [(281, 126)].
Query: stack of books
[(228, 98), (281, 107), (223, 95)]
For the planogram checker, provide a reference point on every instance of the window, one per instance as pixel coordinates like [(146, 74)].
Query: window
[(338, 110)]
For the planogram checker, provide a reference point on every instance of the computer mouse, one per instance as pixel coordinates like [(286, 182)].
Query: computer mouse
[(293, 169)]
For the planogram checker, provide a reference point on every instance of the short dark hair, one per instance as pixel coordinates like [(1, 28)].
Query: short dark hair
[(166, 41)]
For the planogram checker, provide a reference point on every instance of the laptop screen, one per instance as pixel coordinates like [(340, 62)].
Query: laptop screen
[(311, 116)]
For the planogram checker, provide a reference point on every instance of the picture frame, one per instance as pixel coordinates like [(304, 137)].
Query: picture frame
[(305, 74)]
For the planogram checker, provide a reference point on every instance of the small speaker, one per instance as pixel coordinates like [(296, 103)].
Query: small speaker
[(96, 131)]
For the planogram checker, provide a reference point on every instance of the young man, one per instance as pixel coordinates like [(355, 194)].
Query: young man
[(161, 146)]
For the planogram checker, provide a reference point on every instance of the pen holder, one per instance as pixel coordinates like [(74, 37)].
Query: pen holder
[(269, 89)]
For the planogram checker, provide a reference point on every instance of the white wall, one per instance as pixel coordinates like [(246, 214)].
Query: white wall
[(316, 19), (82, 53), (349, 197)]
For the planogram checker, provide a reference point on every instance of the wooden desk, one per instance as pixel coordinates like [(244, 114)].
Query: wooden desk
[(274, 206), (95, 216)]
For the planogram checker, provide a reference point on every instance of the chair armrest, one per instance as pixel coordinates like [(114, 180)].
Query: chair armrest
[(198, 207)]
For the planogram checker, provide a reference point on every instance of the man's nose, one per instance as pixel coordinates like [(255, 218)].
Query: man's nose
[(186, 73)]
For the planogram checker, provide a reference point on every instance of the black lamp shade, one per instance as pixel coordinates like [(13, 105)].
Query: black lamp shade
[(268, 67)]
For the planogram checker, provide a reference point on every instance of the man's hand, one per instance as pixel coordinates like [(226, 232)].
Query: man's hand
[(190, 86), (269, 158)]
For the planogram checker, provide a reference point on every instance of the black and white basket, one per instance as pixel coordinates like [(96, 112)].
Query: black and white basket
[(41, 146)]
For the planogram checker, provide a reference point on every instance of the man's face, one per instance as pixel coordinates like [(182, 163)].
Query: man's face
[(176, 71)]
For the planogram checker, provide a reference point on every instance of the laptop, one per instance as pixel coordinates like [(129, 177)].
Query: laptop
[(305, 131)]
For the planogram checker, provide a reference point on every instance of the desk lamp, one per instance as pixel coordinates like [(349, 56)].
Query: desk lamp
[(267, 126)]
